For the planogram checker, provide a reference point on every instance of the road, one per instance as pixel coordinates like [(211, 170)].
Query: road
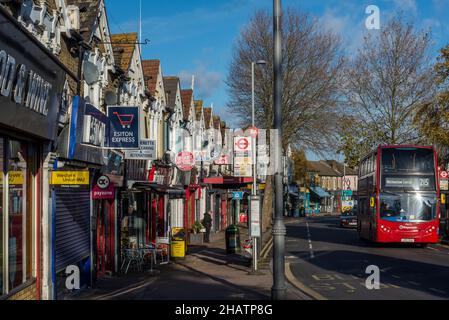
[(331, 263)]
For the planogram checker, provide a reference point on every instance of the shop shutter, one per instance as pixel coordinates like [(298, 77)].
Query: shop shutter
[(72, 226)]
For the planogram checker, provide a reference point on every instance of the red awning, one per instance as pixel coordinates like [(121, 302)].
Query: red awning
[(228, 180)]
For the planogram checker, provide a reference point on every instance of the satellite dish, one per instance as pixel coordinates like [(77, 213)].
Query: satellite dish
[(169, 157), (110, 98), (90, 72)]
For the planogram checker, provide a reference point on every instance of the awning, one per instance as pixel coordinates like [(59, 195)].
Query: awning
[(228, 180), (172, 191), (320, 192)]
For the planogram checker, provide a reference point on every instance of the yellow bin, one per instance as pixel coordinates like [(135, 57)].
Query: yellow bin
[(178, 249)]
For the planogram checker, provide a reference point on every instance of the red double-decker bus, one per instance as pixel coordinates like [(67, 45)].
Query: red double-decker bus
[(399, 196)]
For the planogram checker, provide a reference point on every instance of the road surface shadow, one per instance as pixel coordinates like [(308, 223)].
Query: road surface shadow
[(419, 276)]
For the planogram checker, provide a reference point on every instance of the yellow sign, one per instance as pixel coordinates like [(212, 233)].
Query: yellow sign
[(66, 178), (15, 178), (372, 202), (178, 249), (260, 186), (443, 198)]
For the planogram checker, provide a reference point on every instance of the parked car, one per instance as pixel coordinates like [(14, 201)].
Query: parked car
[(348, 219)]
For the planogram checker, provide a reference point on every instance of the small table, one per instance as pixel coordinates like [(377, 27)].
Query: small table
[(150, 249)]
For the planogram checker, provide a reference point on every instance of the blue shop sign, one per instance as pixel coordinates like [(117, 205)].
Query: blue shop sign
[(123, 127), (237, 195)]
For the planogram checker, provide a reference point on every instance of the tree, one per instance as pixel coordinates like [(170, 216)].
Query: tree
[(300, 162), (311, 75), (384, 86), (433, 116)]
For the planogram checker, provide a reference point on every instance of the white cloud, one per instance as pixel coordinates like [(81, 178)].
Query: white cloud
[(206, 81)]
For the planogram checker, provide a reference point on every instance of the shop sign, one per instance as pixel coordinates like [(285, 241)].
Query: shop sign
[(147, 151), (161, 176), (86, 136), (185, 161), (224, 159), (103, 189), (15, 178), (30, 83), (136, 170), (124, 128), (238, 195), (70, 178)]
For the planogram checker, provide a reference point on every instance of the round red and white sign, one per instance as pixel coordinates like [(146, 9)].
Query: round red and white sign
[(254, 132), (242, 144), (185, 161), (444, 175)]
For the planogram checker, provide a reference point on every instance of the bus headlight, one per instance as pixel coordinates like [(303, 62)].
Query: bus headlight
[(385, 229)]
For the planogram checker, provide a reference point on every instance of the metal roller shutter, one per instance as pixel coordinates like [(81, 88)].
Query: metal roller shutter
[(72, 226)]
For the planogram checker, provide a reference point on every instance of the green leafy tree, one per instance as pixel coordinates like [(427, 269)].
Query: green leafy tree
[(433, 115)]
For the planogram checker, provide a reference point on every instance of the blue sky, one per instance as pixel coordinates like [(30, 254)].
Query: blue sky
[(197, 36)]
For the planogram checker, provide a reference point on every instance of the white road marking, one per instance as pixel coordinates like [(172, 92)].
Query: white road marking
[(434, 249), (414, 283), (312, 254), (437, 291), (396, 277)]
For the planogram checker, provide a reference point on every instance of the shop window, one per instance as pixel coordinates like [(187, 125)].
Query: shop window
[(19, 217)]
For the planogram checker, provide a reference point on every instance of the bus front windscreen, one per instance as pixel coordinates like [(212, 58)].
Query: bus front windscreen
[(408, 207)]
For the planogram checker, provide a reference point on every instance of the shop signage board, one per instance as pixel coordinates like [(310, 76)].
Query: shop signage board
[(31, 83), (70, 178), (123, 128), (185, 161), (103, 189), (15, 178), (255, 217), (86, 138), (238, 195), (147, 151)]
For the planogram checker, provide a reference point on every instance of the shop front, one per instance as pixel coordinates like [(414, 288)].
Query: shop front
[(93, 207), (31, 83)]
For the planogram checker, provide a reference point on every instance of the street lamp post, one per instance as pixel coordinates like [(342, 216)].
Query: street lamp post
[(279, 289), (254, 159)]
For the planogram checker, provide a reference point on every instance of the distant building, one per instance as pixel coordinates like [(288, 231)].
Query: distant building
[(327, 180)]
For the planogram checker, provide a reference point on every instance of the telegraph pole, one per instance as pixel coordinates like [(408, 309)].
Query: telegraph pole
[(278, 291)]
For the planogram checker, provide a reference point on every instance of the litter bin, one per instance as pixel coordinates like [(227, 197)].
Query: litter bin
[(233, 240)]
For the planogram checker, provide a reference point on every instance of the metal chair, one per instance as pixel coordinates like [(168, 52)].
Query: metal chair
[(133, 257)]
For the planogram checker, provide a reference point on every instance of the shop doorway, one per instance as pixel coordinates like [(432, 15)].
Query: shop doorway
[(105, 237)]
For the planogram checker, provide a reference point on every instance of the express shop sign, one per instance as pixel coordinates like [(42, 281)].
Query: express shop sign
[(103, 189), (123, 128)]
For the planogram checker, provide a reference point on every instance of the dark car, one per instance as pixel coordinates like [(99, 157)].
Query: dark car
[(349, 219)]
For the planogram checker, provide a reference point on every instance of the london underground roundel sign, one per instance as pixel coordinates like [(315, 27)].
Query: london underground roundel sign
[(185, 161)]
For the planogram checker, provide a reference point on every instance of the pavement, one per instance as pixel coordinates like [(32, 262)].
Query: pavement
[(207, 273), (330, 263)]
